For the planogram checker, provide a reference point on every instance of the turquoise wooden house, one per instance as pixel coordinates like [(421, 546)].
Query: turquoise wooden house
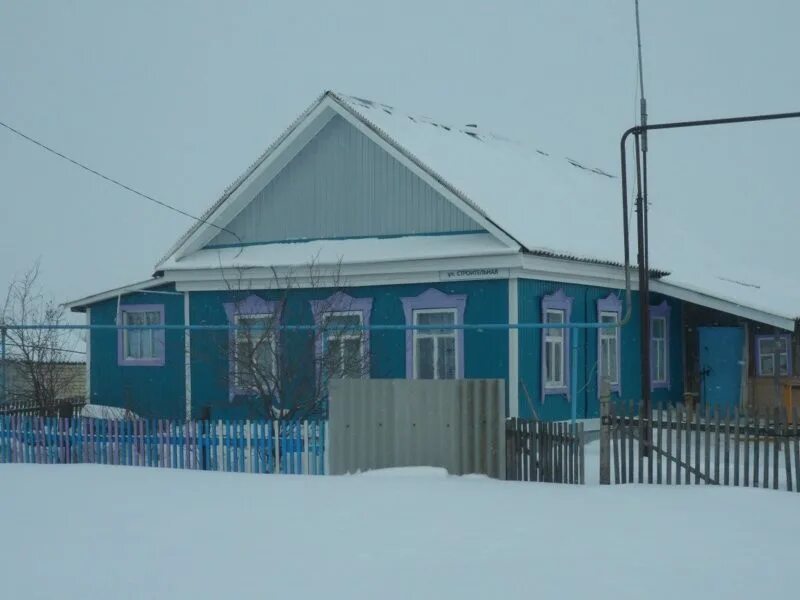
[(421, 222)]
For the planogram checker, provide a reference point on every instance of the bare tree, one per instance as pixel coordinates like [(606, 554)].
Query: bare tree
[(281, 371), (38, 368)]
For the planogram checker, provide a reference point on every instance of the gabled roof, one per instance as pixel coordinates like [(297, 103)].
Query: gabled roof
[(555, 205), (552, 205)]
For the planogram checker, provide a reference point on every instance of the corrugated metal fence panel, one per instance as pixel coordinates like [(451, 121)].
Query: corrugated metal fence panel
[(382, 423), (341, 184)]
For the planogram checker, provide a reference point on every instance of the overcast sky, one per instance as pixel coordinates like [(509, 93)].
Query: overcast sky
[(178, 98)]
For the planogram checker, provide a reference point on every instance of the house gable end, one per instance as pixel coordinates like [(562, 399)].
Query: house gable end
[(342, 184)]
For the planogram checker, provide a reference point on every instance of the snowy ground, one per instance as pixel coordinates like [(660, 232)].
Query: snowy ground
[(95, 532)]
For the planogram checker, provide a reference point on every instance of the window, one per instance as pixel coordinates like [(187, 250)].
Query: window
[(435, 349), (556, 309), (554, 350), (609, 345), (608, 342), (658, 352), (342, 349), (771, 349), (659, 345), (140, 344), (254, 352), (343, 344), (253, 346), (438, 352), (141, 347)]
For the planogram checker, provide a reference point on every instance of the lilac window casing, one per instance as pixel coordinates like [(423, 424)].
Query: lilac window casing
[(251, 305), (432, 299), (158, 359), (341, 302), (610, 304), (659, 351), (558, 301), (787, 339)]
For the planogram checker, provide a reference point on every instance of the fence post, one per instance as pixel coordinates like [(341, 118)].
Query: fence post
[(248, 456), (326, 460), (278, 442), (306, 451), (605, 433)]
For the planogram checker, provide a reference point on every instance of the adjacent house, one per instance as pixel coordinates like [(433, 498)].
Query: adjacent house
[(363, 215), (62, 380)]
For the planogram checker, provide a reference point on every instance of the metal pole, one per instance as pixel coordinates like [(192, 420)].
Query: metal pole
[(675, 125), (642, 222), (573, 383), (644, 259), (644, 304)]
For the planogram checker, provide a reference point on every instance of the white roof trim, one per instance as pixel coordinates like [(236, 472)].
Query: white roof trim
[(76, 305), (430, 270)]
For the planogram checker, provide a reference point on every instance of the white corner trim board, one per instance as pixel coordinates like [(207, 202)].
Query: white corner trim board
[(89, 357), (187, 353), (513, 348)]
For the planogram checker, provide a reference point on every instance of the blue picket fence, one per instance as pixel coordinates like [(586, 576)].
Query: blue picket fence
[(292, 447)]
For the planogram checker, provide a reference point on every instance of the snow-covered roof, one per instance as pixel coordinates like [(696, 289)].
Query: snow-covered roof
[(527, 191), (334, 252), (555, 205)]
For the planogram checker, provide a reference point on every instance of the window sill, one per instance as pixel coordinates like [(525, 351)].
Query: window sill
[(556, 391), (141, 362)]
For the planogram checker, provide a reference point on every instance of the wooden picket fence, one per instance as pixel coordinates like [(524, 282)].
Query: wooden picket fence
[(292, 447), (705, 445), (542, 451)]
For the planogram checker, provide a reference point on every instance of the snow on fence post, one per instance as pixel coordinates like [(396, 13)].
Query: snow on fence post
[(605, 433)]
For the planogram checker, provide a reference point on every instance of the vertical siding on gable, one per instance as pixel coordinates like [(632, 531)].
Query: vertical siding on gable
[(341, 184), (584, 310)]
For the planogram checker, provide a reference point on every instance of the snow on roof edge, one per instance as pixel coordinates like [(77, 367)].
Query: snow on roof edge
[(80, 304)]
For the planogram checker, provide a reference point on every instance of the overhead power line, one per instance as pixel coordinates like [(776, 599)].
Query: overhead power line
[(114, 181)]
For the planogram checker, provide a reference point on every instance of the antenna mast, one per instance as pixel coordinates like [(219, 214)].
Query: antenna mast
[(642, 100)]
